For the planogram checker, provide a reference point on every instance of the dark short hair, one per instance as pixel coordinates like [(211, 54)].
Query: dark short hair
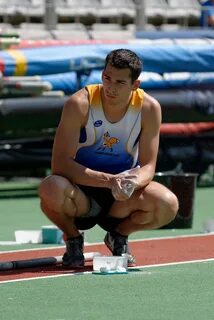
[(125, 58)]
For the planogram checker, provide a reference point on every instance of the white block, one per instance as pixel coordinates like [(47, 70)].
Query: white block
[(28, 236), (109, 263)]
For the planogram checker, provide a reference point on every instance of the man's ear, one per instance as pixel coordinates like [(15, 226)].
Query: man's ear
[(136, 85)]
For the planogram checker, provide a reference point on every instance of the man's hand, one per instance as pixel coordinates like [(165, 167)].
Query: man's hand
[(124, 184)]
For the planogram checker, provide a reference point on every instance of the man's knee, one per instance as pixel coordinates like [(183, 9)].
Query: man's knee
[(55, 193), (168, 209), (59, 194), (173, 206)]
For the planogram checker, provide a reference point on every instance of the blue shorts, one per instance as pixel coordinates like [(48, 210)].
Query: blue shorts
[(101, 201)]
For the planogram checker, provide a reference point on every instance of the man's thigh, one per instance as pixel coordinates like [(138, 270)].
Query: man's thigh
[(146, 199), (150, 207)]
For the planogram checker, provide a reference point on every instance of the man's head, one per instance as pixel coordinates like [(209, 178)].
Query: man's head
[(120, 76), (123, 59)]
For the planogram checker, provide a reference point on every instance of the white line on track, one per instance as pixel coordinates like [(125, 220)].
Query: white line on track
[(211, 234), (90, 272)]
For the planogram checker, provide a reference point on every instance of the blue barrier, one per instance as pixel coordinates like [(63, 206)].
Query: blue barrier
[(61, 59)]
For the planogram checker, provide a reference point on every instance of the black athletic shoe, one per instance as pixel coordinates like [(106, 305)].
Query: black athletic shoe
[(118, 245), (73, 257)]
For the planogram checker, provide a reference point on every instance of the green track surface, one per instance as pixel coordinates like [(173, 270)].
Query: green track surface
[(176, 292), (24, 214), (163, 293)]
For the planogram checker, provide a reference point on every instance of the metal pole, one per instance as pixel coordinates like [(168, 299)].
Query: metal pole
[(50, 18), (140, 17)]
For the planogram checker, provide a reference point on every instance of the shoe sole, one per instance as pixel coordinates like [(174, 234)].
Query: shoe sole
[(77, 265), (73, 266)]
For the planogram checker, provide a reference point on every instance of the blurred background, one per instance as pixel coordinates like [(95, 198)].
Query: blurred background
[(50, 49)]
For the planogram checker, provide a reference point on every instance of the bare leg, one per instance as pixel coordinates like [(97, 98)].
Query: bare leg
[(62, 221), (150, 208), (62, 202)]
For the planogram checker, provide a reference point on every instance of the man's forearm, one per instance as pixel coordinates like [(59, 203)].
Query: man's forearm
[(79, 174), (146, 175)]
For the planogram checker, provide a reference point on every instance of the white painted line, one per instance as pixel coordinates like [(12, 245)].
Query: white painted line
[(173, 263), (48, 277), (176, 237), (211, 234), (90, 272)]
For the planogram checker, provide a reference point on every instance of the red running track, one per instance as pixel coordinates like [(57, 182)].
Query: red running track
[(147, 252)]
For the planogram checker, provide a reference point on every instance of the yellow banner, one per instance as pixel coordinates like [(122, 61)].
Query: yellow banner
[(20, 62)]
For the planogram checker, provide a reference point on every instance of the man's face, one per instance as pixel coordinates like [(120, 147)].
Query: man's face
[(117, 84)]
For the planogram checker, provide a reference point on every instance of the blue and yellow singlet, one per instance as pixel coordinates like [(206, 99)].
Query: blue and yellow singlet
[(110, 147)]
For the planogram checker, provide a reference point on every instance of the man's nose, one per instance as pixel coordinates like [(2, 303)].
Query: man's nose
[(112, 87)]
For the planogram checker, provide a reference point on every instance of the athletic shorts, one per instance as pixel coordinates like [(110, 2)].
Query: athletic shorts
[(101, 201)]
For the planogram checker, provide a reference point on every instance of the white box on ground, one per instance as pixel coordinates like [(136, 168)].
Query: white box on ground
[(28, 236), (110, 262)]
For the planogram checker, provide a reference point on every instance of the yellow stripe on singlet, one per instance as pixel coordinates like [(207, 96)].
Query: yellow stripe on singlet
[(20, 62)]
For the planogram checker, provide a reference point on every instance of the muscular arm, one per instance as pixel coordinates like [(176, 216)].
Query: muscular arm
[(74, 116), (149, 139), (148, 149)]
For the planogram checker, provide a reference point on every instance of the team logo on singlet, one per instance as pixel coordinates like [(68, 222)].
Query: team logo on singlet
[(98, 123), (108, 142)]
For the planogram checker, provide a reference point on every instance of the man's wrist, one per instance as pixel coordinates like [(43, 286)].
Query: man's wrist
[(108, 180)]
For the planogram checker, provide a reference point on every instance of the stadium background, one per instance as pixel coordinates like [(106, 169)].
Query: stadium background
[(49, 49)]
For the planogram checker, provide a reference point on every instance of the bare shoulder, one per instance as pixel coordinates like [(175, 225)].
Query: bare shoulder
[(151, 104), (151, 112), (77, 105)]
